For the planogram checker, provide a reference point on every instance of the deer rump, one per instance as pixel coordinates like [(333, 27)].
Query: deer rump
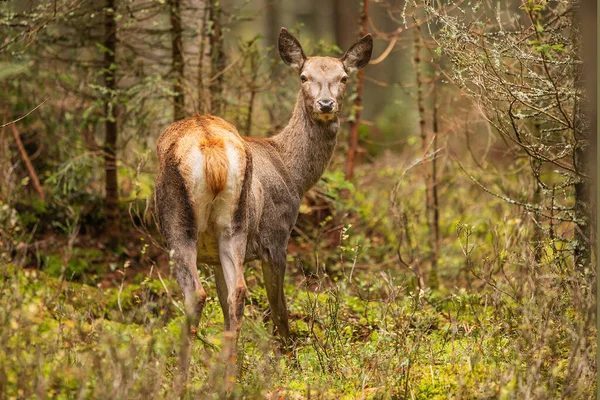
[(206, 158)]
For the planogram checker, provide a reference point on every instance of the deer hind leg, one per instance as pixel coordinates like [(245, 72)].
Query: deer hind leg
[(231, 254), (273, 273), (186, 275), (178, 226), (229, 216), (222, 293)]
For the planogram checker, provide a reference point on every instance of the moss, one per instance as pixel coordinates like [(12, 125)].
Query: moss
[(123, 300), (82, 263), (452, 380), (157, 287)]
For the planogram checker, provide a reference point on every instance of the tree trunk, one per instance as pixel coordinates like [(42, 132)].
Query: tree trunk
[(357, 107), (338, 21), (177, 59), (429, 172), (585, 153), (343, 12), (338, 221), (202, 105), (217, 58), (435, 205), (110, 115), (590, 48), (273, 24)]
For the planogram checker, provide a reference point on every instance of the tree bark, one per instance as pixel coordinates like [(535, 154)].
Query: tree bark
[(273, 24), (340, 23), (203, 104), (217, 58), (110, 115), (177, 60), (435, 205), (357, 107), (585, 153), (590, 47)]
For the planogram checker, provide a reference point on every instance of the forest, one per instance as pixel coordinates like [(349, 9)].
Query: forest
[(449, 249)]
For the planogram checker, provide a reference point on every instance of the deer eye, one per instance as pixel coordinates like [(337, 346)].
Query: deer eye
[(303, 78), (344, 79)]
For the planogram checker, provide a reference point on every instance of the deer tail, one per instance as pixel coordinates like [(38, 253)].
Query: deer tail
[(216, 163)]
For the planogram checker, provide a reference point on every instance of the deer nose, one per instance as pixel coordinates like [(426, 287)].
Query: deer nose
[(325, 105)]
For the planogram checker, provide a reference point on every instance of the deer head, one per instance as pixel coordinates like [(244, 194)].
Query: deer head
[(323, 79)]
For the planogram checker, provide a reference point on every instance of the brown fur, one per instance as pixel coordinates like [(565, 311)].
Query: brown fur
[(211, 134), (266, 191), (216, 164)]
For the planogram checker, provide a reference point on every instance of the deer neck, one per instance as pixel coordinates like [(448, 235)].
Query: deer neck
[(306, 146)]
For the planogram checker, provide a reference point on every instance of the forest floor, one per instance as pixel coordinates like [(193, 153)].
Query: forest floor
[(69, 340), (79, 321)]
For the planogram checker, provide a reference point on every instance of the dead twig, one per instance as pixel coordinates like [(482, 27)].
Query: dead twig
[(25, 116), (34, 178)]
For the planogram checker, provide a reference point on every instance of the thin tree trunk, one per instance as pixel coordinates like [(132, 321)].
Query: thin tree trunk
[(110, 115), (357, 107), (177, 60), (421, 110), (582, 211), (343, 11), (217, 57), (338, 220), (34, 178), (202, 103), (339, 23), (273, 23), (435, 217), (248, 129), (313, 24), (590, 48), (538, 232), (429, 202), (585, 152), (3, 158)]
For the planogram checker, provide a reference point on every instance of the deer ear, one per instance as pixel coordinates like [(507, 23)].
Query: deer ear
[(290, 50), (359, 54)]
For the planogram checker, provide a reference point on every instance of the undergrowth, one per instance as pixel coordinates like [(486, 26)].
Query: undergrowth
[(502, 323)]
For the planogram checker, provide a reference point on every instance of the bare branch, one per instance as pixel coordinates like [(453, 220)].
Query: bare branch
[(25, 116)]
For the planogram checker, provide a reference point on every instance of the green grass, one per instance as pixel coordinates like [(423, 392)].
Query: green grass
[(503, 323), (61, 339)]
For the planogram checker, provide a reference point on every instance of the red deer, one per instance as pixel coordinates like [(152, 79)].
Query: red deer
[(225, 199)]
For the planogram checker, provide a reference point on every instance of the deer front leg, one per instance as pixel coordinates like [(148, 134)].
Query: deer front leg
[(274, 273)]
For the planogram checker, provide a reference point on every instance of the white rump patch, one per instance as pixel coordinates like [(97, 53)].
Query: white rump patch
[(214, 214), (225, 203)]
